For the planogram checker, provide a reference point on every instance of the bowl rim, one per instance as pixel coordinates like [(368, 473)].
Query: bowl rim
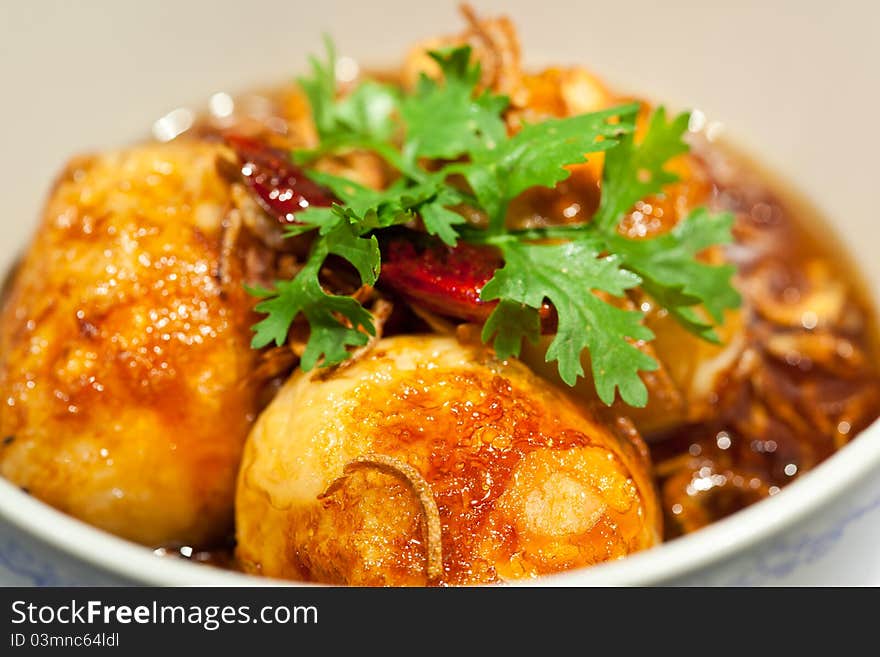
[(688, 554)]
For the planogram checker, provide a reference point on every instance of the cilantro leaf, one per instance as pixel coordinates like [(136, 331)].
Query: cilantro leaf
[(633, 170), (666, 267), (567, 275), (367, 112), (353, 195), (508, 325), (670, 269), (361, 119), (439, 220), (445, 131), (668, 264), (329, 337), (361, 252), (320, 88), (536, 156), (448, 119), (430, 199)]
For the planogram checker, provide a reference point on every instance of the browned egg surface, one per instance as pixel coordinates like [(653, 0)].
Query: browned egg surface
[(468, 442), (524, 483), (124, 376), (476, 441)]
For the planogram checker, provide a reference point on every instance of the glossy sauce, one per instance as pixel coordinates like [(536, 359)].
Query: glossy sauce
[(795, 410)]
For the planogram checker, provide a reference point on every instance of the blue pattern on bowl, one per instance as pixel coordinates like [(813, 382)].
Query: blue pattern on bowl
[(25, 561)]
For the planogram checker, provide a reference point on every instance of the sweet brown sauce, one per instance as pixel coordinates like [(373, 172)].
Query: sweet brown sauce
[(796, 408)]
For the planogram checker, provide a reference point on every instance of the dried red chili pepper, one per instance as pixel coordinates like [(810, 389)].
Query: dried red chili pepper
[(280, 187)]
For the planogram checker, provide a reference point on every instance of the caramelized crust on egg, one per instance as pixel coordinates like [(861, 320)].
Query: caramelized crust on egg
[(522, 481), (124, 355)]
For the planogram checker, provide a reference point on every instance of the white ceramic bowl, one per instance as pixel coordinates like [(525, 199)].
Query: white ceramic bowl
[(793, 83)]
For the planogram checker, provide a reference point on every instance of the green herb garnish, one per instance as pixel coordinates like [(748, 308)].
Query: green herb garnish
[(445, 132)]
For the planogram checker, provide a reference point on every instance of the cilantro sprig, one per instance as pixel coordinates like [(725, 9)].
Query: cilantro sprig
[(329, 337), (449, 144), (566, 274), (666, 267), (363, 118)]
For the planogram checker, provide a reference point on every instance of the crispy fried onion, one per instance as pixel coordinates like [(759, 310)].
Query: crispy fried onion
[(833, 353), (495, 45), (435, 322), (230, 229), (500, 52), (254, 219), (803, 321), (422, 490), (691, 489), (257, 257), (819, 303)]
